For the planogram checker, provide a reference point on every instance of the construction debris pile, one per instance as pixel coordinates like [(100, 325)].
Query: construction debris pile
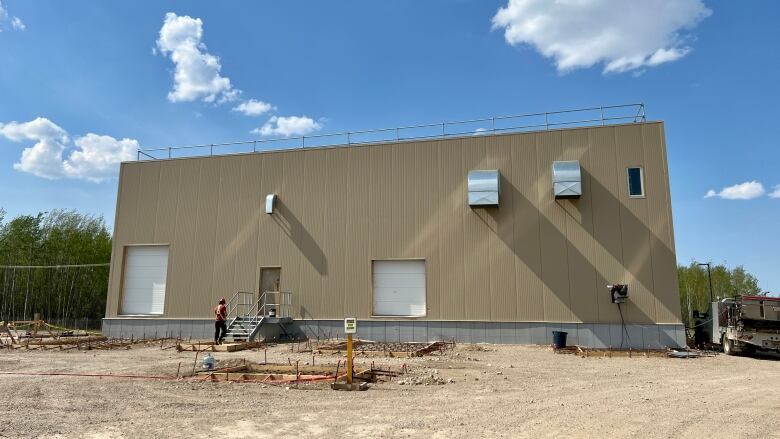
[(426, 377)]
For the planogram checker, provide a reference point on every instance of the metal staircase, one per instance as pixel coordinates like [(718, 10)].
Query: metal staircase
[(248, 314)]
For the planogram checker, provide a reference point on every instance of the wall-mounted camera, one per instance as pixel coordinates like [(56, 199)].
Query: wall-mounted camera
[(618, 292)]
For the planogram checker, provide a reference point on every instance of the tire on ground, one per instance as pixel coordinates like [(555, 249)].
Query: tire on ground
[(728, 345)]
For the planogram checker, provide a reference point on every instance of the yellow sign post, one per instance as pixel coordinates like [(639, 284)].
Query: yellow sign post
[(349, 358), (350, 327)]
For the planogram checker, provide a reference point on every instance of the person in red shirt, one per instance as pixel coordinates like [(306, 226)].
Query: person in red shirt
[(220, 325)]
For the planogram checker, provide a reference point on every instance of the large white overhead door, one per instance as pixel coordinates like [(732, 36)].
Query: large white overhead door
[(399, 288), (146, 270)]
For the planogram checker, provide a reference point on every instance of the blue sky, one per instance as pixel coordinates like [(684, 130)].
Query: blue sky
[(103, 84)]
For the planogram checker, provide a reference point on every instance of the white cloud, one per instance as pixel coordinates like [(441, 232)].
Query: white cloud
[(253, 107), (197, 72), (44, 158), (93, 157), (97, 157), (288, 126), (38, 129), (197, 76), (17, 24), (6, 19), (775, 191), (623, 35), (743, 191)]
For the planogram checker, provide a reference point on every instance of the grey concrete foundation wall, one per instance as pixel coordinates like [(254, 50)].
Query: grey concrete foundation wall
[(583, 334)]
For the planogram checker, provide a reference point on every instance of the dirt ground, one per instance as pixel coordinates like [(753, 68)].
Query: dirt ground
[(496, 391)]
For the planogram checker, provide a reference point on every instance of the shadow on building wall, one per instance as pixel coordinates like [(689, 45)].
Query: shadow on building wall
[(299, 236)]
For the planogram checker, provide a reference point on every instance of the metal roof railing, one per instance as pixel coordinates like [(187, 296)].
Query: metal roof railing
[(603, 115)]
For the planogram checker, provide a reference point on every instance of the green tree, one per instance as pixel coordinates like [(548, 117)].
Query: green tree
[(695, 288), (59, 237)]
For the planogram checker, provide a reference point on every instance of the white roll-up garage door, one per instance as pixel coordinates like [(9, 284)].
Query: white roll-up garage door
[(146, 270), (399, 288)]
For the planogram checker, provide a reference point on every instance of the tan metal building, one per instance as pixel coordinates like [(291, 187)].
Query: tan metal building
[(385, 233)]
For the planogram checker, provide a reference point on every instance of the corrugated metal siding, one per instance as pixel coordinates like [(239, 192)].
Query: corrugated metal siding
[(225, 244), (182, 249), (500, 230), (532, 259), (634, 226), (292, 200), (355, 298), (605, 178), (452, 198), (476, 243), (426, 227), (146, 212), (660, 224), (248, 215), (309, 235), (202, 289), (554, 246), (579, 231), (527, 227), (334, 232)]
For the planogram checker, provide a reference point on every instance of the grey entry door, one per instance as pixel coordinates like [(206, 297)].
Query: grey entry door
[(270, 279)]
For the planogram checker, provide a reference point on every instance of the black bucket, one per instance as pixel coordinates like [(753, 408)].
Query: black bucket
[(559, 339)]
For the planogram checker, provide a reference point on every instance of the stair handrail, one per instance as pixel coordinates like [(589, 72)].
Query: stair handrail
[(279, 301), (241, 304), (253, 315), (244, 305)]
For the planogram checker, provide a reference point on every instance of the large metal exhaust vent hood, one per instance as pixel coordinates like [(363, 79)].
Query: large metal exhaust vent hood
[(484, 188), (566, 179)]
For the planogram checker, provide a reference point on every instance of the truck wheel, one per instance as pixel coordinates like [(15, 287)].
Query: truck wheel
[(728, 345)]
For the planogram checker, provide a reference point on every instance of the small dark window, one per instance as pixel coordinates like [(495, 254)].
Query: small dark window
[(636, 187)]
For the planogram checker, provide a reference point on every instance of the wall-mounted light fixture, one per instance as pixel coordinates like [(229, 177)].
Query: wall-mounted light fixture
[(270, 200)]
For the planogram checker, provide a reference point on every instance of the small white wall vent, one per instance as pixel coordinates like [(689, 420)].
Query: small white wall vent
[(270, 200), (567, 179), (483, 187)]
